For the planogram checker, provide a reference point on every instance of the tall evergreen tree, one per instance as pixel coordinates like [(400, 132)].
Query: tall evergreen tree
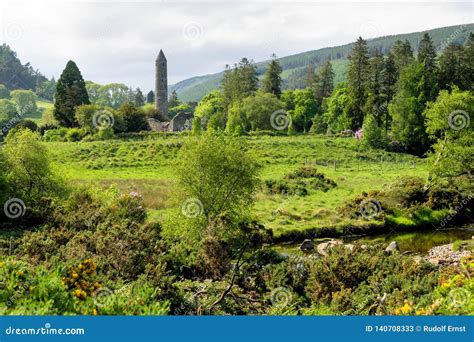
[(324, 83), (468, 62), (239, 81), (150, 97), (139, 98), (70, 93), (271, 82), (376, 99), (427, 57), (357, 77), (452, 68), (310, 77), (173, 100), (402, 54), (389, 81)]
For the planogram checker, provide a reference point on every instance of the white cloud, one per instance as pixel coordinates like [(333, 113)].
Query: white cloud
[(117, 41)]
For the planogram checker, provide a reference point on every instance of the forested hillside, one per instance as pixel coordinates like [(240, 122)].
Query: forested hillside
[(295, 66)]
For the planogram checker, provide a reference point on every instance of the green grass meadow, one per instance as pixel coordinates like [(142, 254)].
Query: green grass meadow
[(146, 166)]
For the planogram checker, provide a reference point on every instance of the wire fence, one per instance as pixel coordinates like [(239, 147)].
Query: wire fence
[(384, 164)]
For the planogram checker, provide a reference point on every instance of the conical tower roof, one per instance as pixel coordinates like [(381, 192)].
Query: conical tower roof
[(161, 56)]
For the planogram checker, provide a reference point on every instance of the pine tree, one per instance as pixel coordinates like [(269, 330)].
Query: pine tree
[(389, 81), (310, 77), (271, 82), (150, 97), (427, 57), (173, 100), (239, 81), (376, 98), (357, 77), (468, 61), (452, 68), (324, 82), (402, 54), (139, 98), (70, 93)]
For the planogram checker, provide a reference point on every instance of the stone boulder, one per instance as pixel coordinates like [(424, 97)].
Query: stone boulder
[(324, 247), (307, 245), (392, 247)]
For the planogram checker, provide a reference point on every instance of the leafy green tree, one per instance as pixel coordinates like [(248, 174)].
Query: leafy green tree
[(94, 91), (271, 82), (448, 120), (46, 89), (237, 122), (25, 101), (70, 93), (452, 68), (133, 117), (335, 116), (218, 178), (173, 100), (183, 107), (28, 173), (402, 54), (4, 92), (253, 113), (139, 98), (111, 95), (196, 126), (406, 110), (373, 135), (305, 109), (7, 111), (357, 79), (4, 191), (239, 81), (427, 57), (84, 116), (150, 97), (324, 83), (211, 108)]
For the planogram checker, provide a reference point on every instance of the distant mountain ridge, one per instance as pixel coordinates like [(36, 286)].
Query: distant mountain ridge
[(294, 66)]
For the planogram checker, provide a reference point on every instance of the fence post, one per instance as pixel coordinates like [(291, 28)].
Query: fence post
[(334, 165), (414, 164)]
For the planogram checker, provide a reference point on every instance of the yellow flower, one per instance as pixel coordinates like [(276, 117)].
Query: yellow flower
[(75, 275), (94, 312)]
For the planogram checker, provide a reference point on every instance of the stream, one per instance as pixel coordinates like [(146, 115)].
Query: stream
[(419, 242)]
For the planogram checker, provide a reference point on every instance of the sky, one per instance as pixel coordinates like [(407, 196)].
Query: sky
[(118, 41)]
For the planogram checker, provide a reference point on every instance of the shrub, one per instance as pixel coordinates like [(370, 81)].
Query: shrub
[(75, 134), (299, 182), (55, 134), (369, 281)]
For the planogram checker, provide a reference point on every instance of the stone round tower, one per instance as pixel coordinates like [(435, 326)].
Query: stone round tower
[(161, 84)]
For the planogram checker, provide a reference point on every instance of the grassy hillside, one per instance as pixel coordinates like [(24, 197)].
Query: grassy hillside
[(193, 89), (147, 166)]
